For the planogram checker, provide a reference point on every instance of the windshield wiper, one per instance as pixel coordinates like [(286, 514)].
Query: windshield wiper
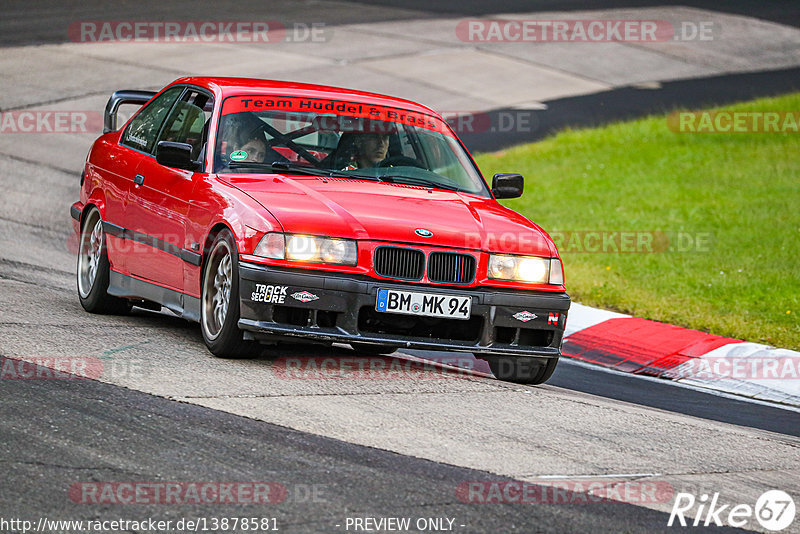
[(301, 169), (284, 166), (415, 180)]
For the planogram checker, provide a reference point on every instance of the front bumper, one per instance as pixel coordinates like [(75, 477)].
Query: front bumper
[(334, 307)]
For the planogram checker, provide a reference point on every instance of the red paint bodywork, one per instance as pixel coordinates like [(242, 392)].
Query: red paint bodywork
[(184, 208)]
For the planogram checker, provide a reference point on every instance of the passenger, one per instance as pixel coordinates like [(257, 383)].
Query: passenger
[(255, 149), (244, 137)]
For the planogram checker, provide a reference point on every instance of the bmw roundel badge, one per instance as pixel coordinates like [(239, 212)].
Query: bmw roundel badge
[(422, 232)]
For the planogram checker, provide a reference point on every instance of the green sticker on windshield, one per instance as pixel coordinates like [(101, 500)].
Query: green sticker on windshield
[(238, 155)]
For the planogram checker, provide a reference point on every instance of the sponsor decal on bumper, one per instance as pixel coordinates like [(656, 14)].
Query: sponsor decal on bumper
[(304, 296), (524, 316)]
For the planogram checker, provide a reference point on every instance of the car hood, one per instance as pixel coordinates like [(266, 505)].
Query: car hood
[(343, 207)]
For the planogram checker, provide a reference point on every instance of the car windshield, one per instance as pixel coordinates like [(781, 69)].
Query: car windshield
[(294, 135)]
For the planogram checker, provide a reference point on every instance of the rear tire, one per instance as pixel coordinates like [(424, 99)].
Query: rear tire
[(219, 302), (93, 271), (521, 369)]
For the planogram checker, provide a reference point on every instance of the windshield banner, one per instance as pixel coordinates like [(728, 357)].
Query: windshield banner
[(340, 114)]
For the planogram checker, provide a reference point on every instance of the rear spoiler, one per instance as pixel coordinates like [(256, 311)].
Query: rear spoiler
[(127, 96)]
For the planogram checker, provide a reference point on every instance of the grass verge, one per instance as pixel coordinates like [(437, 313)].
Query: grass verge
[(722, 212)]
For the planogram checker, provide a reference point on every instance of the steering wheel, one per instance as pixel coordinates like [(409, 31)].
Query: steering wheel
[(401, 161)]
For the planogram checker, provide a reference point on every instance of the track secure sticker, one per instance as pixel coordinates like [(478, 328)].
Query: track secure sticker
[(269, 294), (238, 155)]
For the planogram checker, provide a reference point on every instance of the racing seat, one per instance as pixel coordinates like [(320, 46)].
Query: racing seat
[(199, 149), (343, 153)]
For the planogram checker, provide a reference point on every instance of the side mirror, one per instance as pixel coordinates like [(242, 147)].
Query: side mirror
[(176, 155), (507, 185)]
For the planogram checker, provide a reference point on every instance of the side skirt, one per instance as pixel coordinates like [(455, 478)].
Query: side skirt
[(122, 285)]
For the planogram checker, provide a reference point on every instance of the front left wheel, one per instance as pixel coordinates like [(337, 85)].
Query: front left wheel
[(93, 271), (219, 301)]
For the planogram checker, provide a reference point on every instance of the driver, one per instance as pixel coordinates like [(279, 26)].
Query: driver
[(369, 149)]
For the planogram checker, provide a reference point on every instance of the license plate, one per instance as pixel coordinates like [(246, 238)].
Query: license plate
[(427, 304)]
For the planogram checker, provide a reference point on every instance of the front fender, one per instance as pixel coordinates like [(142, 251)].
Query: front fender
[(219, 204)]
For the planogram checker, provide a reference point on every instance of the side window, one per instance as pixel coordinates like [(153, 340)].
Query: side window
[(187, 121), (143, 129)]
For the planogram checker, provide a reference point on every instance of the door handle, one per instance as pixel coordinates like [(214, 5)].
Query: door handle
[(138, 179)]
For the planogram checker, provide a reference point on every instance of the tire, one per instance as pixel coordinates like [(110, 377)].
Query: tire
[(521, 369), (219, 302), (92, 274), (373, 350)]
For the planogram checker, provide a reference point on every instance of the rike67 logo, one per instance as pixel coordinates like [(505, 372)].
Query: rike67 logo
[(774, 510)]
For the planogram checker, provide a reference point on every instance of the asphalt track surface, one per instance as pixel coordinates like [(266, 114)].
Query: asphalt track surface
[(629, 103), (26, 22), (126, 435), (54, 433), (664, 395)]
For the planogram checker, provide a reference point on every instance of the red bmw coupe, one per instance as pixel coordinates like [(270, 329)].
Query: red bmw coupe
[(273, 211)]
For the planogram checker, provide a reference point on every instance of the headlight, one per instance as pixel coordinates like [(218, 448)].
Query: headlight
[(337, 251), (301, 248), (307, 248), (526, 269)]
